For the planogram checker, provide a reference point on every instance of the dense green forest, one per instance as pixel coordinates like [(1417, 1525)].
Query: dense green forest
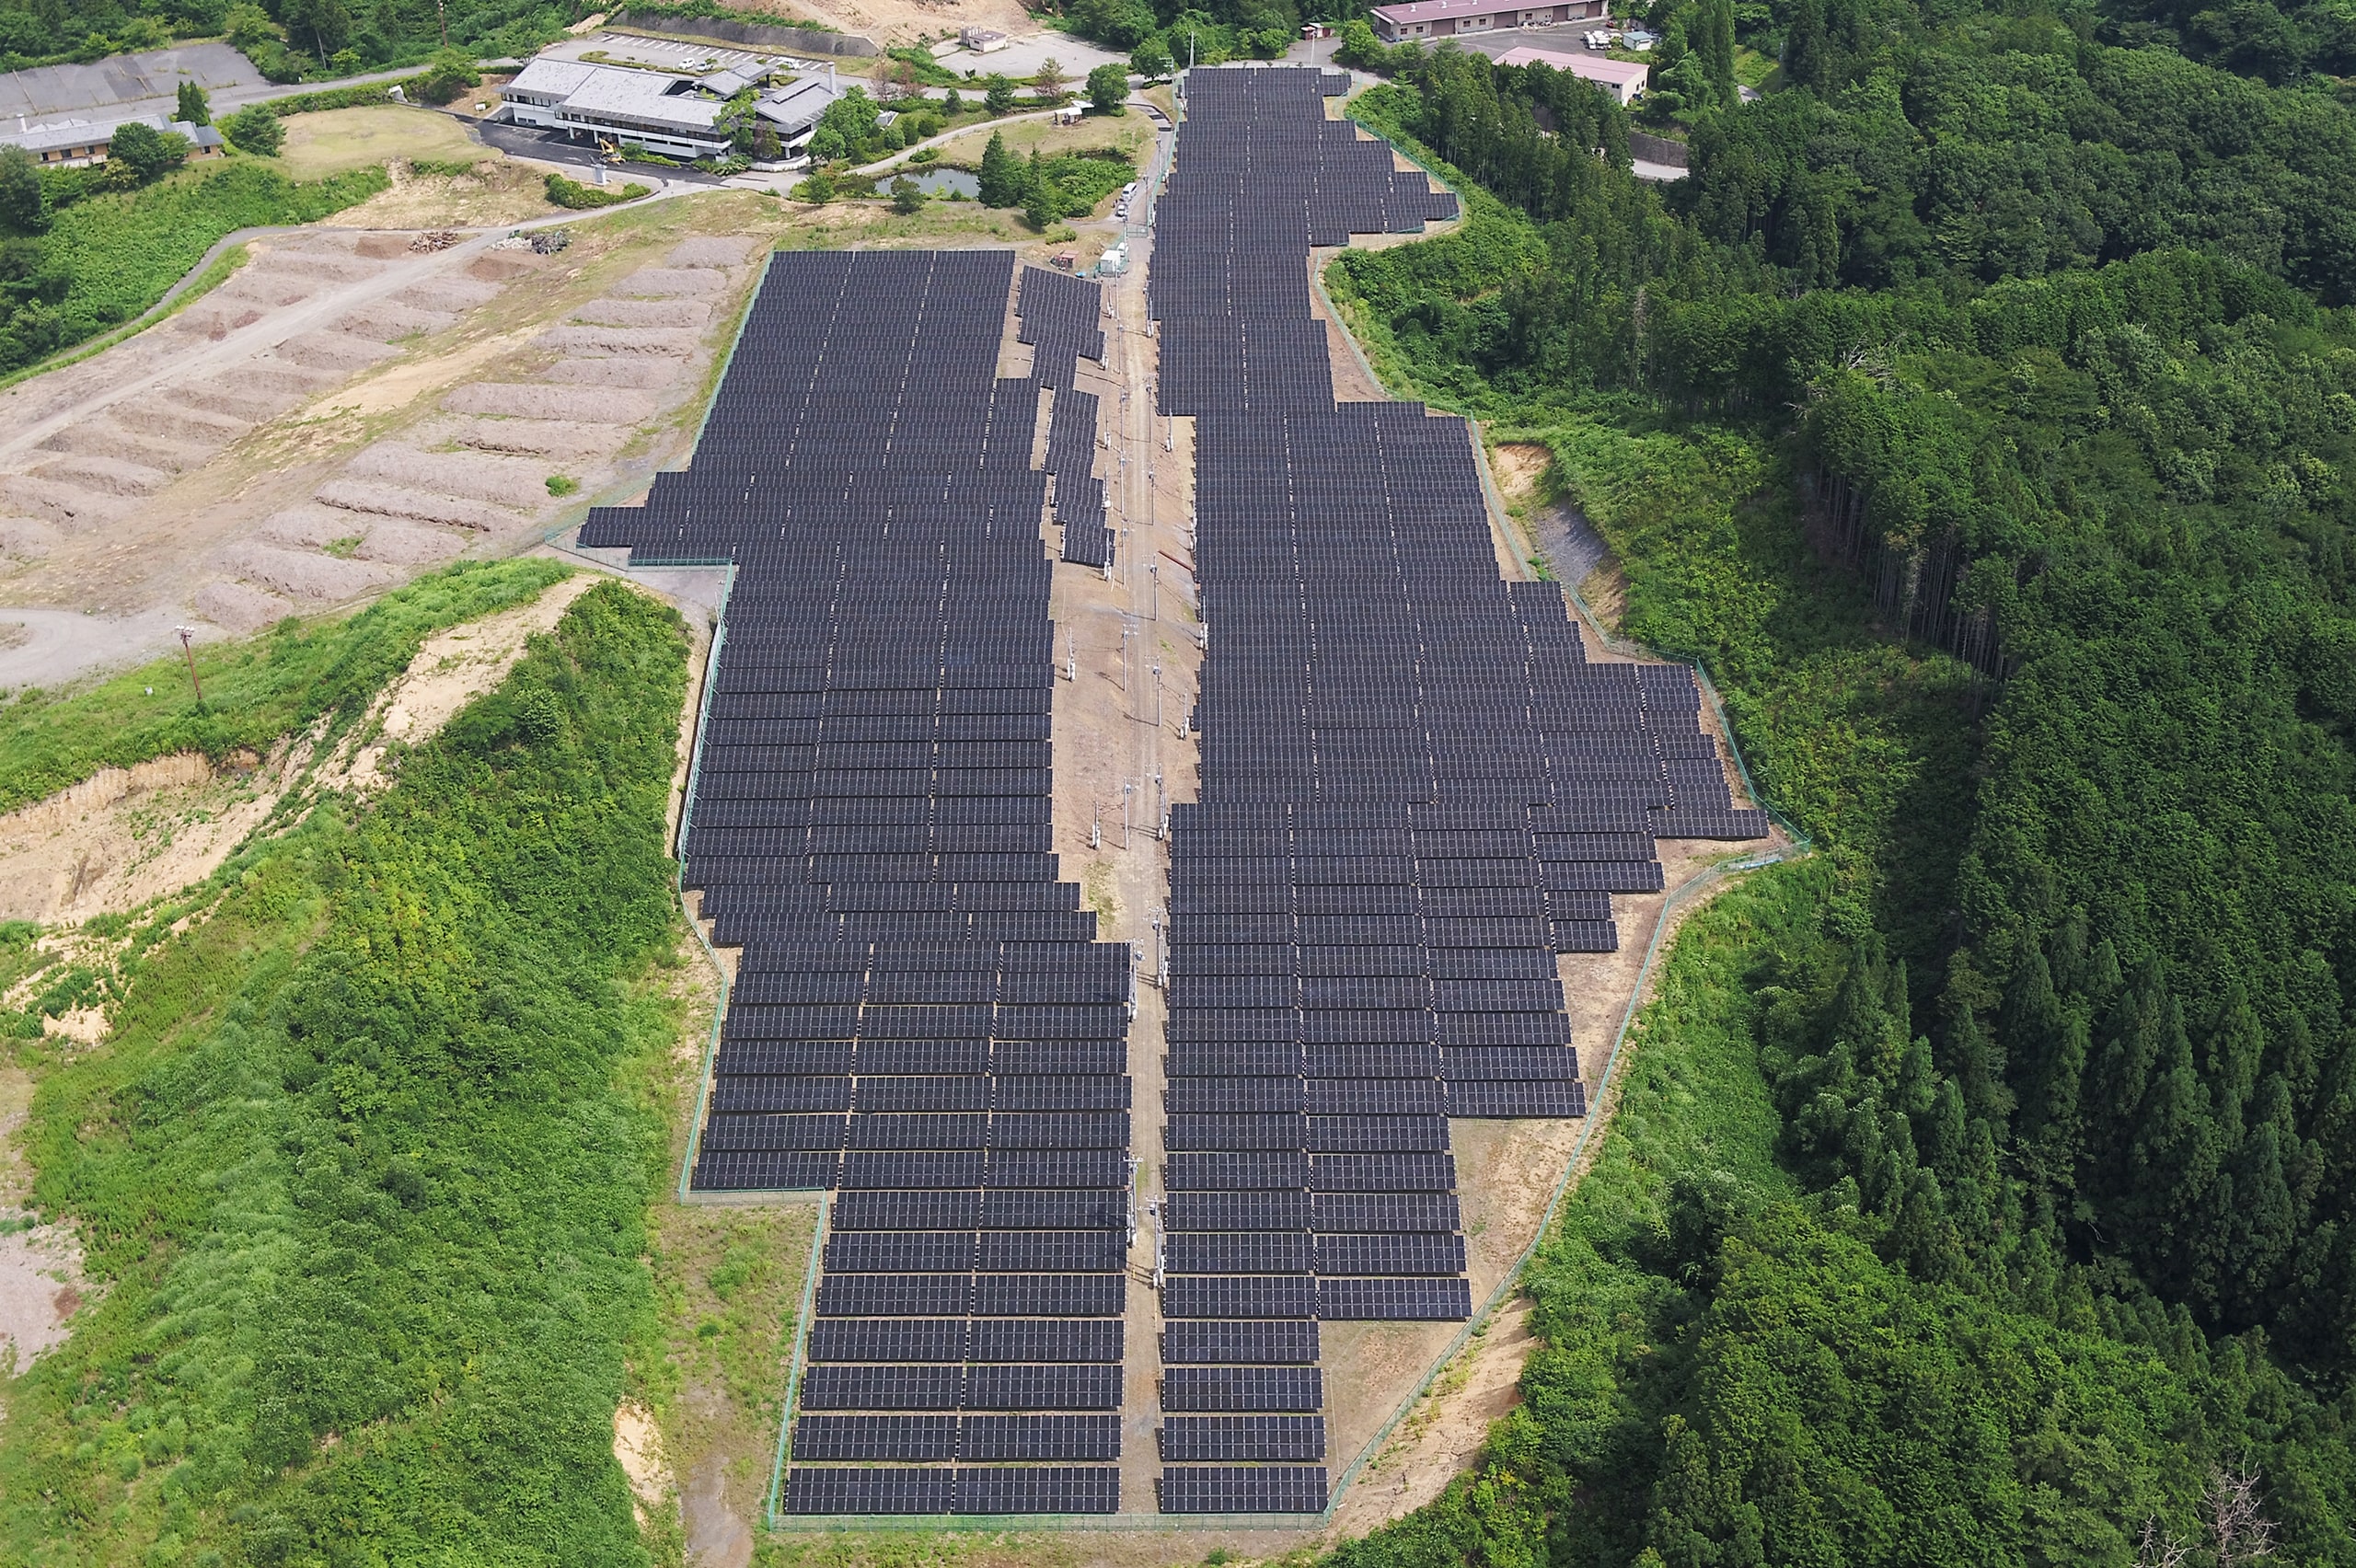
[(363, 1168), (1982, 410), (375, 33)]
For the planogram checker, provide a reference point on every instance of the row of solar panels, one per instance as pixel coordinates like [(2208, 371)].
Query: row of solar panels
[(1300, 703), (870, 823)]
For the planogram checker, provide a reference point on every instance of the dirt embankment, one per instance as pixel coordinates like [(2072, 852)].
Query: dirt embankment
[(128, 835)]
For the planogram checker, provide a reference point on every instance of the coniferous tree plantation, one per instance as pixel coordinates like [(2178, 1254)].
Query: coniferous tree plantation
[(1981, 410)]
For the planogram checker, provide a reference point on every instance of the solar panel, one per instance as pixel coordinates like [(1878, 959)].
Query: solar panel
[(1415, 793), (1247, 1489), (1231, 1439)]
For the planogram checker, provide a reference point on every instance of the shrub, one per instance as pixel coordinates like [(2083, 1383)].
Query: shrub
[(451, 76), (145, 152), (1151, 60), (1108, 88), (572, 193), (254, 129)]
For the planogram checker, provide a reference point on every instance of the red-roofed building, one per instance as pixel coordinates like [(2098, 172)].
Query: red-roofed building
[(1454, 19)]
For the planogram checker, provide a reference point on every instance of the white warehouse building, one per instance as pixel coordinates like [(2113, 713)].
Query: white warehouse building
[(675, 116)]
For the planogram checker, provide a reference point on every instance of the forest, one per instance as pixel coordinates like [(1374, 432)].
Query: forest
[(1981, 411), (368, 34)]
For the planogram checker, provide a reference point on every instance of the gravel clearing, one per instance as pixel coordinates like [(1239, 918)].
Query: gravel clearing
[(71, 508), (265, 287), (395, 543), (239, 608), (248, 408), (502, 266), (396, 500), (648, 372), (587, 405), (304, 574), (690, 313), (399, 544), (178, 423), (105, 476), (511, 481), (23, 539), (337, 351), (268, 379), (446, 294), (713, 250), (614, 342), (560, 440), (345, 268), (383, 323), (661, 282), (109, 437), (219, 317), (311, 526)]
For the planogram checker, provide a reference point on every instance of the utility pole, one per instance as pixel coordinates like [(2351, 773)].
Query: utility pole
[(443, 15), (186, 632), (1127, 791)]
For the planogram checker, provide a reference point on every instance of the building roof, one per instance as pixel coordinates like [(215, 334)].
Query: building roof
[(796, 106), (1412, 11), (554, 78), (64, 134), (1594, 68), (67, 134), (727, 83), (642, 96)]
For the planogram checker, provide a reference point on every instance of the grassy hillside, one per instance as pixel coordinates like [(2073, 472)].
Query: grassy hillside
[(256, 689), (363, 1168)]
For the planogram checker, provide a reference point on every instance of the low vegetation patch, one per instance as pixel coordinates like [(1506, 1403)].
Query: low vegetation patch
[(572, 193)]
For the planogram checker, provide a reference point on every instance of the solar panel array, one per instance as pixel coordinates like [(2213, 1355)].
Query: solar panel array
[(922, 1018), (1062, 321), (1415, 792), (1059, 316)]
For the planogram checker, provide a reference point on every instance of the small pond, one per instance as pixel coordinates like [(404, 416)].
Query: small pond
[(933, 181)]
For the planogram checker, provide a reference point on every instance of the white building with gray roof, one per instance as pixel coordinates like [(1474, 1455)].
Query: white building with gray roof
[(677, 116)]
